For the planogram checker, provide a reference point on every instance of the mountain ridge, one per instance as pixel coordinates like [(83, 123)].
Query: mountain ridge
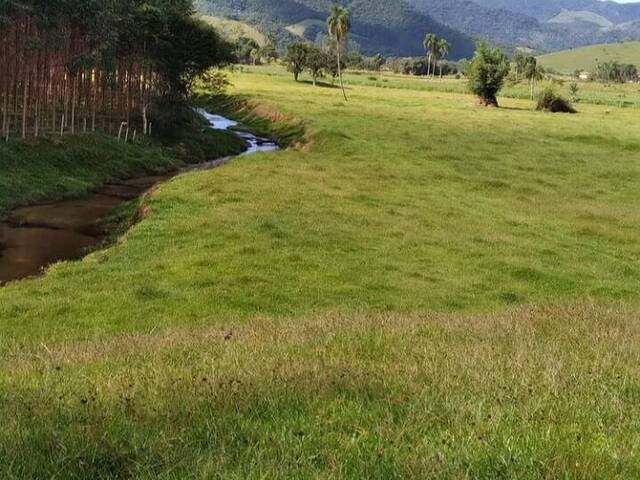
[(397, 27), (392, 27)]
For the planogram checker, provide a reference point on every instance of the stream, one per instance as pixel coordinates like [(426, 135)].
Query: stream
[(32, 238)]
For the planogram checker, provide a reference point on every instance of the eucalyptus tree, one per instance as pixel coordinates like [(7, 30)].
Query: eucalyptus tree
[(74, 65), (339, 25)]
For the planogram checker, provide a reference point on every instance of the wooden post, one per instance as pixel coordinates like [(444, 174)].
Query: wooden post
[(122, 125)]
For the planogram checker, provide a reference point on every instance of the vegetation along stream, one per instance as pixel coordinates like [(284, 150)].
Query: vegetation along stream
[(35, 237)]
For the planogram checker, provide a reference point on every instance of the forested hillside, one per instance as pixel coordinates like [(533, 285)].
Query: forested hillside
[(547, 9), (390, 27), (499, 25), (547, 25), (397, 26)]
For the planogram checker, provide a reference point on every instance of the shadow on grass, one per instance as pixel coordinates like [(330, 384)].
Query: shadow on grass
[(516, 109), (321, 84)]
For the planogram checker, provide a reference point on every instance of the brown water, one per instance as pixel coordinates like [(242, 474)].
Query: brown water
[(35, 237)]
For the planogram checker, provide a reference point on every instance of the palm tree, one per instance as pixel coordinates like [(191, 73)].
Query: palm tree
[(429, 43), (443, 51), (339, 24), (533, 72), (520, 61)]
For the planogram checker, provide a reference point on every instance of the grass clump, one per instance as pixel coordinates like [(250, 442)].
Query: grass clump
[(551, 101)]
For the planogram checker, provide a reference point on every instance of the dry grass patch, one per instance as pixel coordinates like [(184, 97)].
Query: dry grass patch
[(534, 392)]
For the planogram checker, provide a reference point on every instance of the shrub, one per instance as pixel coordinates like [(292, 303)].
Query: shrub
[(213, 81), (550, 101), (487, 72), (574, 89)]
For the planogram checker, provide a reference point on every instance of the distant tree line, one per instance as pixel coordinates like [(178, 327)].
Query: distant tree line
[(615, 72), (247, 51), (318, 61), (327, 58), (83, 65), (420, 66)]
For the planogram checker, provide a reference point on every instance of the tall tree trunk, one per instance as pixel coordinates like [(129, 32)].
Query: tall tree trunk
[(532, 81), (344, 93)]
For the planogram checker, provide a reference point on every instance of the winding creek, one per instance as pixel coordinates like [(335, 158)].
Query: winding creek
[(34, 237)]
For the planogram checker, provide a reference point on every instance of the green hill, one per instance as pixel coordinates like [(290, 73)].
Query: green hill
[(568, 17), (232, 29), (586, 58)]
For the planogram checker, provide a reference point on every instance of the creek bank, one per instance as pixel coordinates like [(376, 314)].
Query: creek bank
[(34, 237)]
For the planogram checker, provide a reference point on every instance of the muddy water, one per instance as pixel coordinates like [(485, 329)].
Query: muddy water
[(35, 237)]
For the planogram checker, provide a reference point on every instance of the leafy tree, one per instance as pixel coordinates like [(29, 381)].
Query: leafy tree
[(629, 73), (354, 59), (244, 47), (339, 25), (316, 62), (375, 63), (269, 53), (213, 81), (430, 46), (463, 66), (296, 58), (332, 66), (487, 72)]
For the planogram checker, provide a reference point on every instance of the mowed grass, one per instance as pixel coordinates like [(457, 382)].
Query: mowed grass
[(424, 289)]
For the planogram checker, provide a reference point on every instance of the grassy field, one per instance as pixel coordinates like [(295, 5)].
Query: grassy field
[(423, 289), (614, 95), (586, 58)]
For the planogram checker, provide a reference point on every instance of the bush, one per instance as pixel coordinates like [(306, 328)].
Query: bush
[(487, 72), (550, 101), (213, 81)]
